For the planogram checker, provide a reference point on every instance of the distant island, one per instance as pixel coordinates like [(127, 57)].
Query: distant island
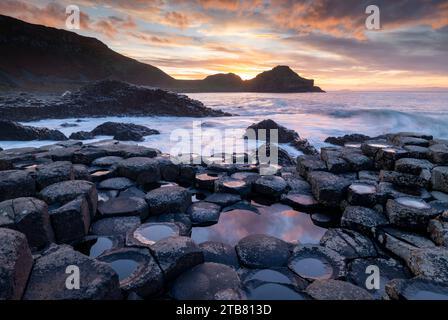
[(36, 57)]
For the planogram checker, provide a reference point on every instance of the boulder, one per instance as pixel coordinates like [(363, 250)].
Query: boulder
[(348, 243), (347, 139), (176, 255), (270, 186), (81, 172), (438, 230), (327, 188), (430, 263), (410, 213), (439, 179), (204, 213), (16, 263), (231, 185), (123, 131), (207, 281), (300, 202), (71, 222), (116, 226), (218, 252), (439, 153), (168, 200), (141, 169), (336, 290), (15, 184), (82, 135), (30, 217), (362, 194), (416, 289), (405, 179), (58, 171), (51, 272), (223, 199), (412, 166), (362, 219), (262, 251), (307, 164), (15, 131), (87, 155), (118, 183), (206, 180), (124, 206), (417, 152)]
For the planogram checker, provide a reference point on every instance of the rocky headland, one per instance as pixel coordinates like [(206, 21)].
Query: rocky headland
[(124, 214)]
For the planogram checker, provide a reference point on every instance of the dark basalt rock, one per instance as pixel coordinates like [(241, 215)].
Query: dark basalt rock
[(116, 226), (81, 172), (207, 281), (15, 131), (147, 234), (323, 220), (348, 138), (176, 255), (412, 166), (82, 135), (207, 180), (16, 263), (123, 131), (270, 186), (63, 192), (168, 200), (262, 251), (204, 213), (47, 281), (410, 213), (182, 220), (124, 206), (439, 153), (314, 262), (408, 140), (71, 222), (348, 243), (94, 246), (107, 161), (30, 217), (15, 184), (118, 183), (48, 174), (417, 152), (284, 276), (438, 230), (363, 194), (430, 263), (416, 289), (132, 192), (218, 252), (439, 179), (297, 184), (87, 155), (307, 164), (371, 147), (223, 199), (336, 290), (300, 202), (230, 185), (169, 171), (327, 188), (356, 160), (137, 269), (141, 169), (389, 269), (406, 180), (362, 219)]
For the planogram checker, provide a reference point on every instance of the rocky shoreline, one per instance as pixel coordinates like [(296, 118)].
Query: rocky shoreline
[(124, 213)]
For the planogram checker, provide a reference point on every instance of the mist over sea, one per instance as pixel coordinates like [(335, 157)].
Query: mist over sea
[(314, 116)]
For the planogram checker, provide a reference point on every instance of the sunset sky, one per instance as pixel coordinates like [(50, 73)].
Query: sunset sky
[(322, 39)]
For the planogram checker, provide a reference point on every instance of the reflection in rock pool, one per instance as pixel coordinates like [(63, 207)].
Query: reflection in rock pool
[(312, 268), (124, 267), (101, 244), (268, 275), (277, 220), (151, 233), (273, 291)]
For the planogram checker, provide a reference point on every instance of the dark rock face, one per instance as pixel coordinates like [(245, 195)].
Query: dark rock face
[(15, 184), (81, 135), (439, 179), (207, 281), (141, 169), (118, 183), (430, 263), (116, 226), (416, 289), (336, 290), (147, 278), (124, 206), (16, 263), (271, 186), (410, 213), (223, 199), (176, 255), (54, 172), (438, 230), (348, 243), (218, 252), (364, 220), (204, 213), (262, 251), (29, 216), (168, 200), (439, 153), (48, 278), (348, 138), (123, 131), (15, 131), (328, 189), (71, 222)]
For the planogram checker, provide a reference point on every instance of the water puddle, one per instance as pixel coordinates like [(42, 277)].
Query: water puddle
[(273, 291), (426, 295), (413, 203), (312, 268), (268, 275), (96, 247), (362, 188), (150, 234), (277, 220), (124, 267)]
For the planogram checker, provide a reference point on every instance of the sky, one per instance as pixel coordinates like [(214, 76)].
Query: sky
[(326, 40)]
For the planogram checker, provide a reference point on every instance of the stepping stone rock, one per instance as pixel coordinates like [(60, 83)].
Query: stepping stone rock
[(328, 189), (30, 217), (357, 161), (168, 170), (365, 175), (389, 269), (176, 255), (336, 290), (348, 243), (98, 281), (412, 166), (230, 185), (206, 181), (48, 174), (438, 230), (124, 206), (204, 213), (132, 192), (66, 191), (87, 155), (223, 199), (362, 219), (307, 164), (219, 253), (362, 194), (149, 233), (416, 289), (182, 220), (300, 202), (323, 220), (137, 270), (16, 263), (115, 226), (417, 152), (439, 179), (15, 184), (270, 186), (371, 147), (143, 170), (262, 251), (116, 184), (81, 172), (410, 213), (207, 281), (439, 153), (168, 200), (314, 262), (248, 177), (406, 180), (106, 161), (429, 263)]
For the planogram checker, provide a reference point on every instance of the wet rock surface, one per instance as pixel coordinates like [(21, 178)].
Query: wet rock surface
[(168, 200), (15, 131), (262, 251), (336, 290)]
